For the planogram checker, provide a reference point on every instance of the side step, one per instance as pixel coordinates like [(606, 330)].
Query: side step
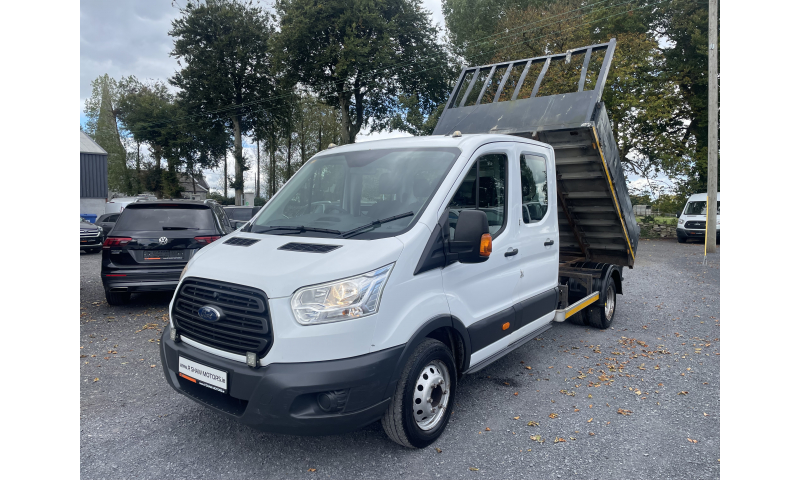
[(510, 348), (576, 307)]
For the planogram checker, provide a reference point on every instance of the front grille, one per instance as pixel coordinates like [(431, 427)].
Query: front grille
[(695, 225), (245, 324), (308, 247), (92, 233)]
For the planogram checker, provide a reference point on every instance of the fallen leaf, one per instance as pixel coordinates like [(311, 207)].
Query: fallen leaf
[(693, 441), (533, 424), (704, 413), (312, 469), (622, 411), (591, 433), (488, 429), (96, 379), (152, 366), (516, 418), (438, 450), (683, 393), (559, 439), (590, 420), (536, 438), (516, 394), (528, 368), (474, 469), (553, 415)]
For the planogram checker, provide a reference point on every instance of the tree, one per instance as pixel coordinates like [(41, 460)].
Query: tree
[(224, 49), (102, 112), (684, 24), (359, 57), (642, 102), (472, 25)]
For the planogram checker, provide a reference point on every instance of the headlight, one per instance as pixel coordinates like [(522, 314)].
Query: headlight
[(681, 221), (99, 232), (346, 299), (183, 272)]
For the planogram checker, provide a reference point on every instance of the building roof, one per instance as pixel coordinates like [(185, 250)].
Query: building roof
[(200, 183), (90, 146)]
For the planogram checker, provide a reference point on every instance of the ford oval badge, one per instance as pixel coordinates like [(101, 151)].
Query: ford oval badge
[(209, 314)]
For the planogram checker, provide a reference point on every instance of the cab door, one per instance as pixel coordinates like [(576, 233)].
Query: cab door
[(481, 295), (535, 211)]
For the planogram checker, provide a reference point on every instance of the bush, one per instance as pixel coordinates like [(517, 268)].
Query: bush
[(259, 201), (649, 219)]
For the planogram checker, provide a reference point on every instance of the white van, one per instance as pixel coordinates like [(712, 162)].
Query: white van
[(313, 320), (383, 271), (692, 219)]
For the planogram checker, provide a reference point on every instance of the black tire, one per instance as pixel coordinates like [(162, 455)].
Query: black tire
[(579, 319), (681, 239), (399, 421), (598, 317), (117, 298)]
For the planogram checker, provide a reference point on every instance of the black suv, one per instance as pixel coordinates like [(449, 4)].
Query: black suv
[(152, 241), (91, 236), (106, 222)]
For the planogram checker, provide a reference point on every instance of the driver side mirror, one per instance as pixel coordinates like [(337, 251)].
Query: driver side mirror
[(472, 242), (678, 215)]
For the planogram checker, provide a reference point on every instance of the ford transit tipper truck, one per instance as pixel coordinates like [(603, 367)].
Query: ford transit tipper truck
[(382, 272)]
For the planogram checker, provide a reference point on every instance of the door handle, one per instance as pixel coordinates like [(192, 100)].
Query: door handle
[(549, 242), (511, 252)]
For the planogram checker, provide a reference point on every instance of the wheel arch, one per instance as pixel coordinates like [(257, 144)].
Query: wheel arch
[(445, 328)]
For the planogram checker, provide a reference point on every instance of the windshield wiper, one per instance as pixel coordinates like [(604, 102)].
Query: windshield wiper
[(374, 225), (299, 228), (178, 228)]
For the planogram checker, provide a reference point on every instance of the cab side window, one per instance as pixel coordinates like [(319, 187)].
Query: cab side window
[(484, 188), (533, 179)]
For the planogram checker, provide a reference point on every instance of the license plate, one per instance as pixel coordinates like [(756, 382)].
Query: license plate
[(203, 375), (156, 255)]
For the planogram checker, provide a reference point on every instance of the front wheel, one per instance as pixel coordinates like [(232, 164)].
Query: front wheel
[(423, 401)]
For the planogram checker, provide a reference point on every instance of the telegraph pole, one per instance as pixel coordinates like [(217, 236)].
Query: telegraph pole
[(713, 129)]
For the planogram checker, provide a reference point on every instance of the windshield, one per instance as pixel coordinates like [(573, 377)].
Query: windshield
[(697, 208), (340, 192), (165, 219)]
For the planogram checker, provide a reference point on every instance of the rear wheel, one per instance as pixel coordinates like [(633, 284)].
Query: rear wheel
[(423, 401), (117, 298), (601, 316)]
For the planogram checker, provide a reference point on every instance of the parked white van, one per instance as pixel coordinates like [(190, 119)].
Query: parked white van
[(383, 271), (692, 219)]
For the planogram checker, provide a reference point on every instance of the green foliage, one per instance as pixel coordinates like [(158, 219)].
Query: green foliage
[(224, 49), (219, 198), (648, 219), (101, 110), (259, 201), (361, 57)]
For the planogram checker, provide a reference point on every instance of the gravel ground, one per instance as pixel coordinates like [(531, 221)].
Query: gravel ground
[(640, 400)]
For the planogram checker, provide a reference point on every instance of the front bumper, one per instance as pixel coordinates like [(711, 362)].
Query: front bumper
[(131, 280), (91, 242), (684, 233), (282, 397)]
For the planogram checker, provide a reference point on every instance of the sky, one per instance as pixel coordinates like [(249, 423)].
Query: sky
[(129, 37)]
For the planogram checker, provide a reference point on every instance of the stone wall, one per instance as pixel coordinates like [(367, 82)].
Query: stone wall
[(655, 230)]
